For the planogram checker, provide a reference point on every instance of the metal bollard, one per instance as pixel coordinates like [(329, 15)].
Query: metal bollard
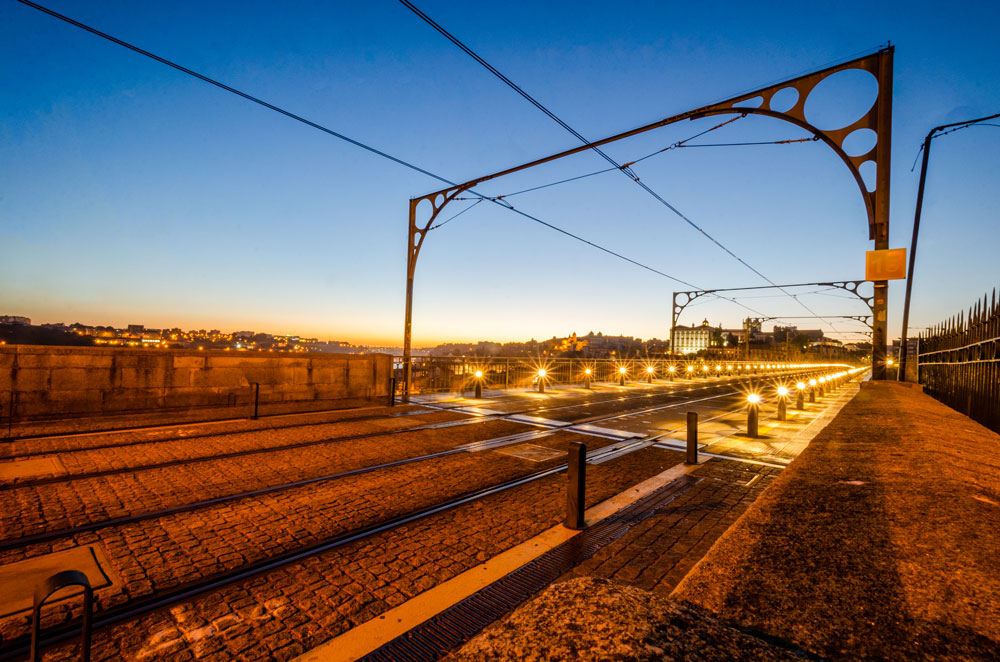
[(479, 389), (782, 409), (54, 583), (256, 400), (576, 474), (392, 392), (800, 403), (692, 441), (586, 379), (753, 414)]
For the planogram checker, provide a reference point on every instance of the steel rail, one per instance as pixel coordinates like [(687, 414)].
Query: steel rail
[(201, 435), (477, 418), (471, 447), (142, 606)]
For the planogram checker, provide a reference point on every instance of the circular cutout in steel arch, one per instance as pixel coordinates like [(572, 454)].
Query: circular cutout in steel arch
[(841, 99)]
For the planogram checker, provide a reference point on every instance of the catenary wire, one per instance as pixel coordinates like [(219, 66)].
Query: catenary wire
[(347, 139), (624, 168)]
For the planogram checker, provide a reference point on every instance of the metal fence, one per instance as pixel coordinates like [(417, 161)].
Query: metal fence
[(958, 362), (459, 374)]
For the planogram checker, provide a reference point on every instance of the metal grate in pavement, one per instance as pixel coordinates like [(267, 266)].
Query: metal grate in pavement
[(453, 627)]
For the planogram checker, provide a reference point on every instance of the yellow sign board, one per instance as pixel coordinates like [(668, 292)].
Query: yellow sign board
[(888, 264)]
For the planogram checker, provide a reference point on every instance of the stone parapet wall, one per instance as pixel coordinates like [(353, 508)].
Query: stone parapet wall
[(43, 381)]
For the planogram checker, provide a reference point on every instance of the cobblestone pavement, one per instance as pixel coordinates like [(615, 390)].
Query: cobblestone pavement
[(169, 551), (277, 615), (32, 510), (282, 614), (656, 554), (235, 414), (132, 437)]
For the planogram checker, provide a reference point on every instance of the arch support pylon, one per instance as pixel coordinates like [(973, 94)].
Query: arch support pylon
[(878, 118)]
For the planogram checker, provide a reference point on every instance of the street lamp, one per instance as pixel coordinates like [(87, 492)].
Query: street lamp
[(649, 374), (799, 397), (541, 380), (586, 378), (621, 376), (479, 383)]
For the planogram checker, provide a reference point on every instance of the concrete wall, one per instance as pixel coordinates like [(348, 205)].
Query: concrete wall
[(58, 381)]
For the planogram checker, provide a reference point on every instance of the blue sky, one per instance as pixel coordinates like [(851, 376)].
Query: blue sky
[(130, 192)]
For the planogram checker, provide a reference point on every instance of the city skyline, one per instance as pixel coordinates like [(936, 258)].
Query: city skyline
[(197, 208)]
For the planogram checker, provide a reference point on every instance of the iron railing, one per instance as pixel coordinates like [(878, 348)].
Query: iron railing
[(458, 374), (958, 362)]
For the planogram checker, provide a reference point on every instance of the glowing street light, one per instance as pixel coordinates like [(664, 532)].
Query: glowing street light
[(621, 375), (782, 402), (753, 411), (649, 374), (479, 383)]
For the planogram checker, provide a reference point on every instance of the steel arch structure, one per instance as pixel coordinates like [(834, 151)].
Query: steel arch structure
[(878, 119)]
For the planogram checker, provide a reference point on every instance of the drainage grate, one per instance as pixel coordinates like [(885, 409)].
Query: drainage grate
[(453, 627)]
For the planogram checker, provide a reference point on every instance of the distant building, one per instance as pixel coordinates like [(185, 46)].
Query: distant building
[(15, 319), (692, 339)]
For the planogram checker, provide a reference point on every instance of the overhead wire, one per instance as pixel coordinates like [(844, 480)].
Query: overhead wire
[(963, 125), (624, 168), (333, 133), (341, 136)]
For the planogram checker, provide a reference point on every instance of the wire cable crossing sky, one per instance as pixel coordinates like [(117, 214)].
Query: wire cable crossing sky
[(129, 194)]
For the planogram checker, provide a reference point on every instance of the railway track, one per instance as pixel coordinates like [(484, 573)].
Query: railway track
[(145, 605)]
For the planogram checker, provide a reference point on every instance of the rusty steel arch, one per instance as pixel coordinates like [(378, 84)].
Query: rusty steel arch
[(878, 119)]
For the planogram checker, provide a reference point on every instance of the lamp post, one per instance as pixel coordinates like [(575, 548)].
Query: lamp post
[(479, 384), (621, 375), (541, 380), (799, 397)]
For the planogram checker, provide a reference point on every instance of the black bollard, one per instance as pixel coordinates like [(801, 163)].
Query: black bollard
[(392, 392), (692, 441), (256, 400), (782, 409), (800, 403), (753, 414), (576, 473)]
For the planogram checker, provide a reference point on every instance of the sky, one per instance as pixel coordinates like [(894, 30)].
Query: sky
[(133, 193)]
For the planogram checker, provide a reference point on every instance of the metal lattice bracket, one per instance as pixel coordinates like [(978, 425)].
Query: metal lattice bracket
[(877, 119)]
